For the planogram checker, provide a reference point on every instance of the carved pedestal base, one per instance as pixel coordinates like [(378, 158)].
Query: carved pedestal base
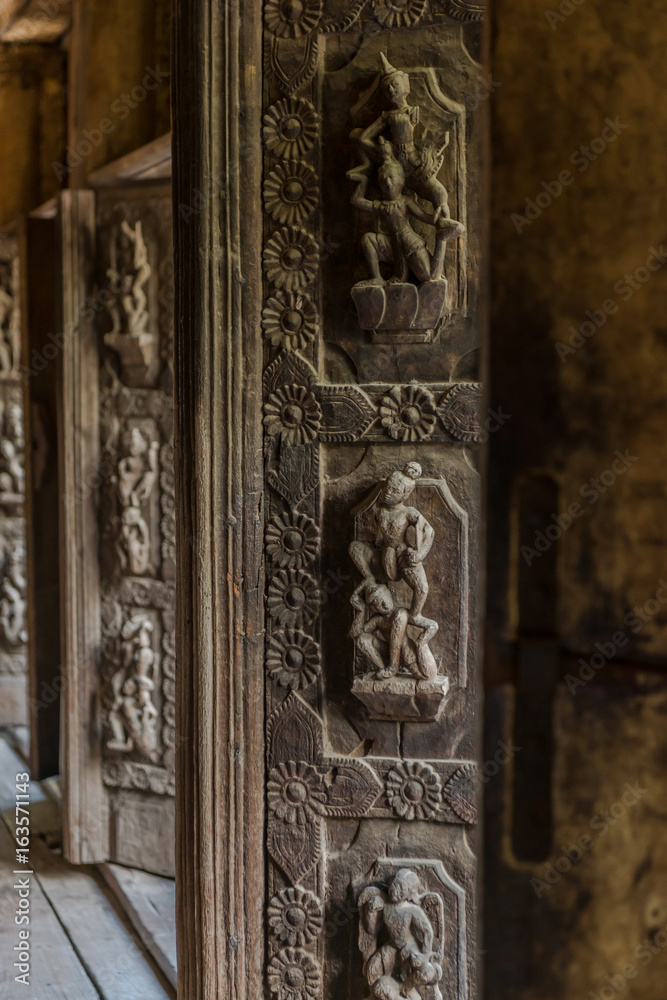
[(400, 313), (402, 699), (138, 356)]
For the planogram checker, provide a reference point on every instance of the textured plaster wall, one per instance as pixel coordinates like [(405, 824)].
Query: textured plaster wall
[(556, 86), (571, 249)]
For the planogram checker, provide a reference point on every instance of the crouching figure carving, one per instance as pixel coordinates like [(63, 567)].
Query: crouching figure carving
[(399, 928)]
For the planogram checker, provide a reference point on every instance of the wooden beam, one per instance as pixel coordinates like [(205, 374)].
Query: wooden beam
[(220, 680), (85, 822), (41, 21), (150, 162)]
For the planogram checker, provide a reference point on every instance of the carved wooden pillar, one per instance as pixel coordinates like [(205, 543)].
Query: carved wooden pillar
[(328, 429)]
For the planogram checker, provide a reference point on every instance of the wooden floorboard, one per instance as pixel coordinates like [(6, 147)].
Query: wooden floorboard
[(104, 944), (11, 765), (150, 903), (56, 972), (82, 947)]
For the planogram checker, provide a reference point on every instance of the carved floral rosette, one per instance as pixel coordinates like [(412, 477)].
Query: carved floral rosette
[(312, 795)]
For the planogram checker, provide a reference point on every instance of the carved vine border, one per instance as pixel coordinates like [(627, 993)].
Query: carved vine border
[(298, 415)]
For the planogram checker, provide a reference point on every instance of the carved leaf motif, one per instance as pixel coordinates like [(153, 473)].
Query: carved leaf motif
[(297, 474), (289, 83), (294, 732), (459, 412), (346, 19), (347, 412), (460, 792), (295, 848), (465, 10), (352, 789), (289, 368)]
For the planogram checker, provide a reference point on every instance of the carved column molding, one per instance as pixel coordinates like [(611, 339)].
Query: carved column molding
[(220, 708), (327, 836)]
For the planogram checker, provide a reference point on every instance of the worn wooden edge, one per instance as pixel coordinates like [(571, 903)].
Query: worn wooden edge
[(135, 892), (85, 823), (34, 21), (149, 162), (220, 714)]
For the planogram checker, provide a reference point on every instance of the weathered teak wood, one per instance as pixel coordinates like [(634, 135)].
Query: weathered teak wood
[(371, 323), (41, 350), (149, 162), (105, 946), (55, 970), (220, 716), (85, 814), (120, 498), (150, 903)]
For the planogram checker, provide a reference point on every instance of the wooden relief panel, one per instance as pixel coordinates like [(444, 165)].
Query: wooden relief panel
[(13, 606), (129, 499), (136, 517), (372, 419)]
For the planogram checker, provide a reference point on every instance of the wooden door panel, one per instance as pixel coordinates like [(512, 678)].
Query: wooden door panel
[(119, 411)]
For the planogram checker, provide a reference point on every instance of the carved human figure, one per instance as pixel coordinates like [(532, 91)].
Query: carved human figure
[(421, 162), (13, 604), (10, 327), (399, 244), (403, 539), (382, 638), (396, 938), (12, 446), (137, 472), (131, 316), (132, 715)]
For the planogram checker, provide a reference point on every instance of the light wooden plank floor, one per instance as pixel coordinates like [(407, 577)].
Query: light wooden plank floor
[(82, 944)]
